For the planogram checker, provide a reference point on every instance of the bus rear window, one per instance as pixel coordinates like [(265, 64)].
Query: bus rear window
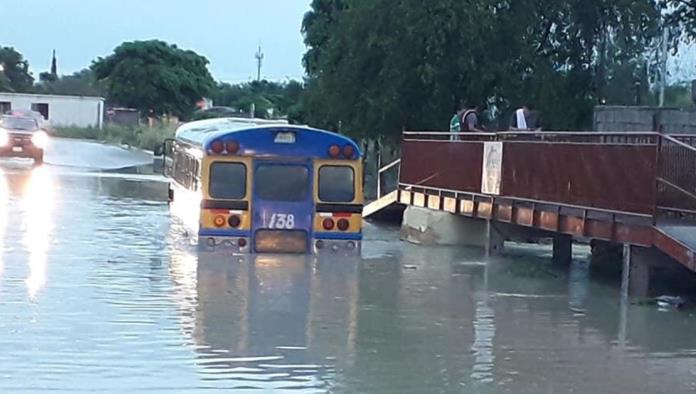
[(336, 184), (282, 183), (227, 181)]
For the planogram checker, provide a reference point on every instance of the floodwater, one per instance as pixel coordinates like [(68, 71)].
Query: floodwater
[(101, 291)]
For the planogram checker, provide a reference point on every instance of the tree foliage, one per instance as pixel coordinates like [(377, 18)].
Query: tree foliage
[(153, 75), (267, 97), (15, 76), (81, 83), (682, 15), (381, 66)]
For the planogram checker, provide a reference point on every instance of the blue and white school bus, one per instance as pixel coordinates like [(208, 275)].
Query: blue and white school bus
[(255, 186)]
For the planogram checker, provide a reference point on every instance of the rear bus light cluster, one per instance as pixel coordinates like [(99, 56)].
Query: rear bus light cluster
[(233, 221), (348, 151), (329, 224), (227, 148)]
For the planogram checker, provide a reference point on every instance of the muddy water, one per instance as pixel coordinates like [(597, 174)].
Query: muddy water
[(99, 291)]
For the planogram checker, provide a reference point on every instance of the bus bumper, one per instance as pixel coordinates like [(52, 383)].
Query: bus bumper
[(337, 247), (240, 245)]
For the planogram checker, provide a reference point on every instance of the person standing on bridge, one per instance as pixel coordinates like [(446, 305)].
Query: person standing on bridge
[(470, 120), (456, 123), (524, 119)]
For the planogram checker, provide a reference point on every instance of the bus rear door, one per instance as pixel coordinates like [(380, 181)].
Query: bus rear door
[(282, 206)]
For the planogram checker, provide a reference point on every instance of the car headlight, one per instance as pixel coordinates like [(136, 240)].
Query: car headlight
[(40, 139), (4, 137)]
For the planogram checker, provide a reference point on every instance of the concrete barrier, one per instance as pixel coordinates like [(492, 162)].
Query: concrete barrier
[(429, 227)]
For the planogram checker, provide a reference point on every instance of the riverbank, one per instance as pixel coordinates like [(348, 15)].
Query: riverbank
[(138, 137)]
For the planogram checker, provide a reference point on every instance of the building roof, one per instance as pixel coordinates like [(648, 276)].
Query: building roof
[(52, 96)]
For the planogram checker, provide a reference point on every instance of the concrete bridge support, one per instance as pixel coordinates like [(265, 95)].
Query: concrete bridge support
[(562, 249), (424, 226), (635, 275), (495, 240), (650, 272), (645, 268)]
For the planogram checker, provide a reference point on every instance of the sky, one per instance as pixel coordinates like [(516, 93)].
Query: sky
[(227, 32)]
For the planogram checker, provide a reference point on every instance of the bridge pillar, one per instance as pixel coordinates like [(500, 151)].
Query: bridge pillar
[(562, 249), (635, 277), (495, 240)]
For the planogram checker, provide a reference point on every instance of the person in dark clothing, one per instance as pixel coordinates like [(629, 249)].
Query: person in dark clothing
[(470, 120), (525, 119)]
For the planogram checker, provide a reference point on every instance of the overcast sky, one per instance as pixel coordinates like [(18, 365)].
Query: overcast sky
[(227, 32)]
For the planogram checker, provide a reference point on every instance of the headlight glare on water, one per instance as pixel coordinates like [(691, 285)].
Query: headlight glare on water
[(40, 139)]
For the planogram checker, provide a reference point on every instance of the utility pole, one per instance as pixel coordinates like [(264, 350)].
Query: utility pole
[(259, 62)]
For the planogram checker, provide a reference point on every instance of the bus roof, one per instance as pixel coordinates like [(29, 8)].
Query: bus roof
[(259, 137)]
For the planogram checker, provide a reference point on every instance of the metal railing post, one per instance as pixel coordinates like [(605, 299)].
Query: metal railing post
[(658, 173), (379, 174)]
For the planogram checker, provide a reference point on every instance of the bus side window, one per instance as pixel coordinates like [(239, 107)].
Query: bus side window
[(185, 170), (195, 175)]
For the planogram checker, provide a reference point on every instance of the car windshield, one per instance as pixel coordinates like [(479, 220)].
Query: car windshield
[(19, 123)]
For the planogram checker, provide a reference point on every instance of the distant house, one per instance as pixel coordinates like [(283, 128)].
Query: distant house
[(80, 111)]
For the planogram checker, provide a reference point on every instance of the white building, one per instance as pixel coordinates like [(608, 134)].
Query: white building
[(80, 111)]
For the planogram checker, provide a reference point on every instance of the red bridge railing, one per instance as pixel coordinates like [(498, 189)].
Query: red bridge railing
[(644, 173)]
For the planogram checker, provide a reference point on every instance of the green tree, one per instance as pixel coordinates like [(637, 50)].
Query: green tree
[(153, 75), (15, 75), (81, 83), (317, 27), (277, 97), (378, 67), (682, 15)]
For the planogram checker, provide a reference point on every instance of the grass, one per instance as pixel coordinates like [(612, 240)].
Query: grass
[(138, 137)]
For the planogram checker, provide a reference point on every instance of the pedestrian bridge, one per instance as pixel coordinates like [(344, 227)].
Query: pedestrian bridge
[(636, 189)]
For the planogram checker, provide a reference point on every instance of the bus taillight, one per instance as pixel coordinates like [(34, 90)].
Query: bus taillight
[(217, 147), (232, 147), (348, 151), (334, 151), (328, 224), (234, 221), (343, 224), (219, 221)]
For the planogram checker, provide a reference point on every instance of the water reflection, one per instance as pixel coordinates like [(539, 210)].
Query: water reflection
[(270, 322), (37, 202), (4, 203), (484, 334)]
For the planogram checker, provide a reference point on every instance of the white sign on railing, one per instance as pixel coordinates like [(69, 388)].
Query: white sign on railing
[(492, 167)]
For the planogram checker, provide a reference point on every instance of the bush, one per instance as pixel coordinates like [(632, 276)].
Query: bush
[(139, 137)]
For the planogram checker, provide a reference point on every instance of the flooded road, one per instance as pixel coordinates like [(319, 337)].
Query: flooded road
[(101, 291)]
